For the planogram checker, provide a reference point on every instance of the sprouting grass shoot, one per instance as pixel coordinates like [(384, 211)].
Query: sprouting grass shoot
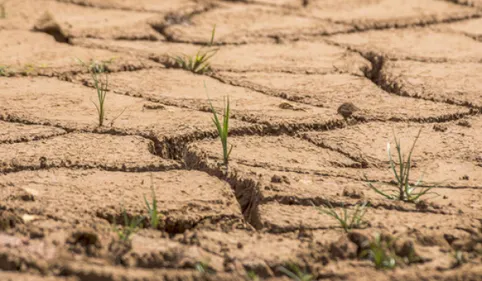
[(198, 63), (295, 273), (347, 220), (405, 191), (154, 215), (222, 127), (130, 226), (3, 12), (100, 77)]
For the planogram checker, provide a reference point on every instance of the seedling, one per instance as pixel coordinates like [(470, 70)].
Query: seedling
[(222, 128), (348, 221), (379, 253), (459, 259), (295, 273), (405, 191), (96, 71), (199, 63), (3, 12), (251, 275), (4, 71), (154, 215), (130, 226), (203, 268)]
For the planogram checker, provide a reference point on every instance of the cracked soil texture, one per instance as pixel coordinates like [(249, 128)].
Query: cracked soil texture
[(71, 191)]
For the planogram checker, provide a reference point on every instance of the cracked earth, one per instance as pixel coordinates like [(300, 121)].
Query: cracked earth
[(287, 65)]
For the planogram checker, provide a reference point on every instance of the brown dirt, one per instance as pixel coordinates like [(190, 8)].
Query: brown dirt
[(67, 184)]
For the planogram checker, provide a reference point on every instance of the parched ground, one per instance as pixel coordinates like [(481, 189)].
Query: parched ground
[(287, 65)]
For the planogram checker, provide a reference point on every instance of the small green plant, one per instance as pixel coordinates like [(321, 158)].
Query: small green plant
[(199, 63), (459, 259), (222, 128), (295, 273), (4, 71), (3, 12), (405, 191), (130, 226), (154, 215), (203, 267), (251, 275), (379, 252), (97, 70), (347, 221)]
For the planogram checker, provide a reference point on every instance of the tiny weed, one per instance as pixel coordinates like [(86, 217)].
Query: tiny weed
[(347, 221), (295, 273), (405, 191), (222, 128), (154, 215), (130, 227), (4, 71), (3, 12), (379, 253), (28, 69), (251, 275), (204, 268), (101, 85), (199, 63), (459, 259), (385, 254)]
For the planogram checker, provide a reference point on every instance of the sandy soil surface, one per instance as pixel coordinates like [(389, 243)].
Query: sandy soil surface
[(70, 189)]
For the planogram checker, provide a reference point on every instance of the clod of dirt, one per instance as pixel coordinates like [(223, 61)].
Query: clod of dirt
[(85, 241), (361, 240), (46, 23), (9, 220), (289, 106), (153, 106), (422, 205), (347, 109), (305, 234), (280, 179), (22, 195), (464, 123), (439, 128), (433, 240), (343, 249), (118, 249), (352, 192)]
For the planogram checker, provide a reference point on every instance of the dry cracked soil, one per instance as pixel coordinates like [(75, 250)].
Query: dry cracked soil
[(70, 190)]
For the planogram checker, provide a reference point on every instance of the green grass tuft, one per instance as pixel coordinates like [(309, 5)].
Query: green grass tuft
[(379, 253), (99, 74), (405, 191), (4, 71), (348, 221), (130, 226), (154, 215), (198, 63), (3, 12), (222, 128), (204, 268)]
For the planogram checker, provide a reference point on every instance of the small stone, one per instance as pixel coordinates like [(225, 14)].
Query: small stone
[(347, 109)]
